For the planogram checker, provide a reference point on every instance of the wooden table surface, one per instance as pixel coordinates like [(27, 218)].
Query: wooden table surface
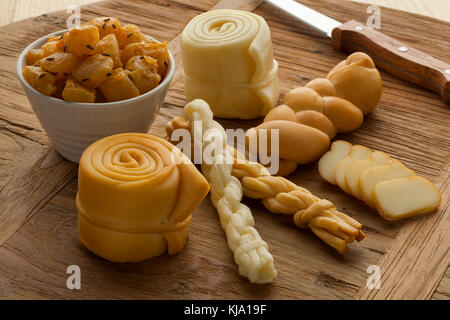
[(15, 10)]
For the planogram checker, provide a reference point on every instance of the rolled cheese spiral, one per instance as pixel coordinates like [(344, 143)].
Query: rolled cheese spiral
[(135, 197), (228, 62)]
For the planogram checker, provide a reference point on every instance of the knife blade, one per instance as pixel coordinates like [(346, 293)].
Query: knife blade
[(388, 53), (316, 20)]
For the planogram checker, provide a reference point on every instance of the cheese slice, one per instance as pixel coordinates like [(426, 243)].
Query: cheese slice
[(228, 62), (356, 153), (369, 178), (327, 163), (356, 168), (136, 194), (405, 197), (396, 191)]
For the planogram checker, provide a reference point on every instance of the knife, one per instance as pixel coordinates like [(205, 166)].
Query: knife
[(389, 54)]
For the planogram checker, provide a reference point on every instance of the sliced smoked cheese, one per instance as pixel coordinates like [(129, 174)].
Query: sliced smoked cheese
[(356, 168), (369, 178), (405, 197), (356, 153), (396, 191), (135, 197), (228, 62)]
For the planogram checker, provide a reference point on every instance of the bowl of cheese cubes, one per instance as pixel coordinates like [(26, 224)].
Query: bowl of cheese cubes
[(95, 80)]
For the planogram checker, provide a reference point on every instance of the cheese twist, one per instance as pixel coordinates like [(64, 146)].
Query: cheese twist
[(228, 62), (281, 196), (250, 252)]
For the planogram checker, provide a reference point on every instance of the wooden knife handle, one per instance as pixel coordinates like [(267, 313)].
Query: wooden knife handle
[(395, 57)]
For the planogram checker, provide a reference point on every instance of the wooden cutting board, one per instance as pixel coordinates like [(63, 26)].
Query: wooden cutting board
[(38, 233)]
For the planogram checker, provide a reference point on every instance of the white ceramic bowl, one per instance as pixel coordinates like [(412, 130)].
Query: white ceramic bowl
[(73, 126)]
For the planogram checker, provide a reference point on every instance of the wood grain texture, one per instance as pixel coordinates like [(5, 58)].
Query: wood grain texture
[(429, 237), (15, 10), (439, 9), (412, 65), (443, 290), (40, 175), (410, 124)]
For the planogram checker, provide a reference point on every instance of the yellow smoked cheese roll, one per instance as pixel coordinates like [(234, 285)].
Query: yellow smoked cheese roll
[(228, 62), (136, 193)]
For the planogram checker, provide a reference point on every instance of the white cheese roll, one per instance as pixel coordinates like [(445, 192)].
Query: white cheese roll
[(228, 61)]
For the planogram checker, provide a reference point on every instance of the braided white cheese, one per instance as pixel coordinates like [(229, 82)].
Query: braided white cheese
[(251, 253)]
